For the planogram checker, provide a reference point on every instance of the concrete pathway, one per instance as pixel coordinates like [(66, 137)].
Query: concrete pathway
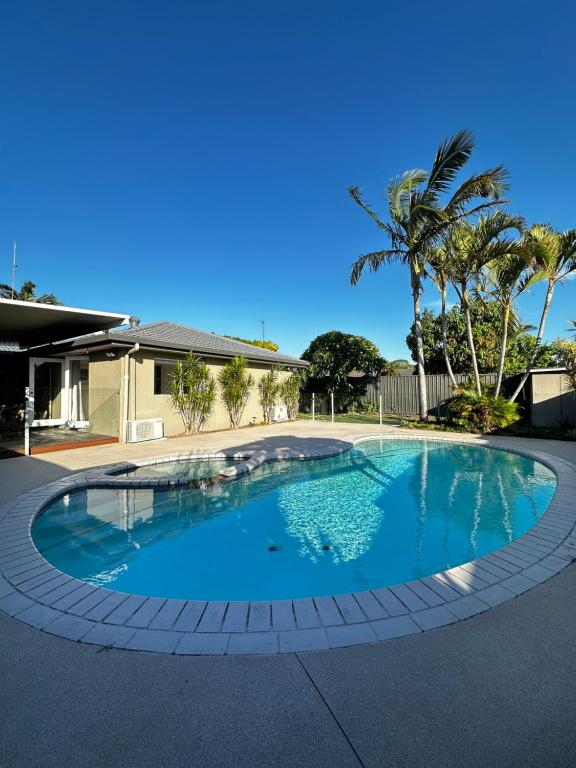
[(495, 690)]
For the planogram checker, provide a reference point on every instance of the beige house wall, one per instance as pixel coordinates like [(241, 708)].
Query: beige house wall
[(553, 402), (144, 404)]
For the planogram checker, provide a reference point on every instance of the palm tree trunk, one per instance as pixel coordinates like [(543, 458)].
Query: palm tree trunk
[(503, 345), (534, 355), (470, 335), (422, 396), (444, 340)]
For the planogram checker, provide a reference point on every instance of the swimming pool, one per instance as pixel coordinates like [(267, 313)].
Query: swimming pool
[(385, 512)]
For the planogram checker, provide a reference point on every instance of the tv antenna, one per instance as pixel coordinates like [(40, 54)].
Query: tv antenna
[(14, 265)]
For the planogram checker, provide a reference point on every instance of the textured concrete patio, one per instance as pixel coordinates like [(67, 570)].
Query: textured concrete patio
[(495, 690)]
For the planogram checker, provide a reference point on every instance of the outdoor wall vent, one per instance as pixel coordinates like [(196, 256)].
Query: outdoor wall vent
[(144, 429)]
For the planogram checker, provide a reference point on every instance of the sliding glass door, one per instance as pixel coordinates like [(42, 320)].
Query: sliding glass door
[(46, 392)]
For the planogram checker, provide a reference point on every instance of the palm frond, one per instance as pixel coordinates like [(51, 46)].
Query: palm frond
[(491, 183), (356, 195), (374, 261), (400, 190), (451, 156)]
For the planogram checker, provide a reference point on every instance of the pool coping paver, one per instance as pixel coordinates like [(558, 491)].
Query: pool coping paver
[(38, 594)]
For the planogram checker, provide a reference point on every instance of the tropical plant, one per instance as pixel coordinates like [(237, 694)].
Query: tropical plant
[(235, 385), (193, 392), (333, 356), (566, 353), (27, 292), (268, 387), (554, 259), (486, 324), (482, 412), (289, 392), (418, 218), (440, 278), (466, 249), (505, 279)]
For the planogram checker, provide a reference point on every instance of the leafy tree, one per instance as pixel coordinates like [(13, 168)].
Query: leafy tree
[(256, 343), (485, 318), (554, 255), (333, 356), (418, 217), (27, 292), (193, 392), (268, 387), (235, 385)]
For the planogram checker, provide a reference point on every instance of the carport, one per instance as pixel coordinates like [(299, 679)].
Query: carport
[(43, 393)]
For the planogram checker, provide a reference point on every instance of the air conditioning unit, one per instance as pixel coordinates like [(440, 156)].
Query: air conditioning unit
[(144, 429), (280, 413)]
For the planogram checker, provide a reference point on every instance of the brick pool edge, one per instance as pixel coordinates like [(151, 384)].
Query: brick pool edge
[(36, 593)]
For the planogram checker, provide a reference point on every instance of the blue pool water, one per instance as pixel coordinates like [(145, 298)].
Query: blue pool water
[(385, 512)]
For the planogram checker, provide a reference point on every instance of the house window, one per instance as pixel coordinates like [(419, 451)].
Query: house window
[(163, 371)]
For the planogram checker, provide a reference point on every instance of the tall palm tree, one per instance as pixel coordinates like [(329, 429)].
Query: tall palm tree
[(440, 279), (466, 249), (504, 280), (554, 255), (418, 218)]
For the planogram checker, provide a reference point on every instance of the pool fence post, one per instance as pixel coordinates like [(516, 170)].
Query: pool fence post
[(380, 400), (332, 405), (313, 406)]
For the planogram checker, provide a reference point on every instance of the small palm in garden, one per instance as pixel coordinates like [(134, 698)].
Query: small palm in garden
[(193, 393), (235, 386), (268, 388), (289, 391)]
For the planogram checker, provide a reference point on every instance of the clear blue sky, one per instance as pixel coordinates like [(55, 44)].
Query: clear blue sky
[(189, 161)]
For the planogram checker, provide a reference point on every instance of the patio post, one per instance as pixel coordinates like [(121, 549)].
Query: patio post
[(332, 405), (380, 401), (28, 409), (313, 406)]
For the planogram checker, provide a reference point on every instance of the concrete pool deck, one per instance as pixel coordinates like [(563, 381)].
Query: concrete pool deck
[(498, 686)]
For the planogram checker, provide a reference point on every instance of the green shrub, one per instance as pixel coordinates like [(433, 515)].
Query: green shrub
[(193, 392), (289, 391), (481, 413), (235, 385), (268, 388)]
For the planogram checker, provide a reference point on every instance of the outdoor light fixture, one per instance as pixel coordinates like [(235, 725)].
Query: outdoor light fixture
[(111, 354)]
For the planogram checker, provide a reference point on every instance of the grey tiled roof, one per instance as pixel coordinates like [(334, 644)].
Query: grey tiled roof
[(182, 337)]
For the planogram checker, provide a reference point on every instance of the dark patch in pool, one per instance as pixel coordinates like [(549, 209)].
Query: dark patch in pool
[(325, 547), (272, 548)]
